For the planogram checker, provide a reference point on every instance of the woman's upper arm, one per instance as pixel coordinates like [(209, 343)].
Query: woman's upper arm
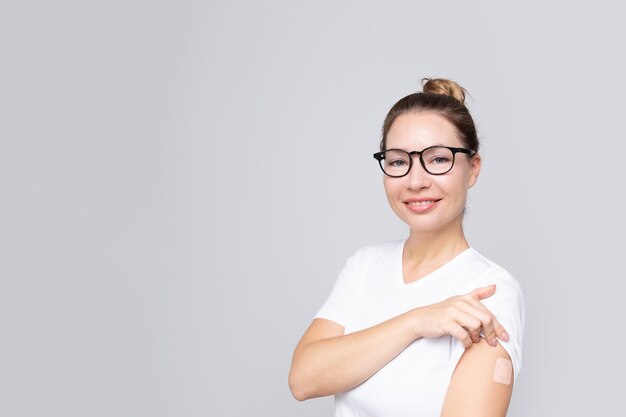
[(482, 383)]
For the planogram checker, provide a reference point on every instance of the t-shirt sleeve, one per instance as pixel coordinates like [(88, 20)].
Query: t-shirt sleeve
[(507, 305), (338, 305)]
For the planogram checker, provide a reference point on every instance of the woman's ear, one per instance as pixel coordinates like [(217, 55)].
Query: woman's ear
[(475, 164)]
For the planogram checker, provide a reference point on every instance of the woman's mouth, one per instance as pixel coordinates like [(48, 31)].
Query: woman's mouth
[(421, 205)]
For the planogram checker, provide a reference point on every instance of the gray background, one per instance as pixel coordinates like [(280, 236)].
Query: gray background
[(181, 183)]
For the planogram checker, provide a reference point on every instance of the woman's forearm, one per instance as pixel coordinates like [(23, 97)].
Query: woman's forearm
[(332, 365)]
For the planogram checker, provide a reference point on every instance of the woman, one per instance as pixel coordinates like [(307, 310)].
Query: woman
[(417, 327)]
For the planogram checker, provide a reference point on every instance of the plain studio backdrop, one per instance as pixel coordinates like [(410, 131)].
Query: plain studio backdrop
[(181, 182)]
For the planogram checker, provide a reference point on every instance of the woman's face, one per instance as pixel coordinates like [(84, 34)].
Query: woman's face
[(429, 203)]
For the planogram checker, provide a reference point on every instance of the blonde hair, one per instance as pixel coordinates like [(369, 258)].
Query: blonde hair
[(445, 87), (441, 96)]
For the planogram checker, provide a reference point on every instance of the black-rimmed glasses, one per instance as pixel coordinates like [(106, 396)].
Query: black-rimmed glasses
[(436, 160)]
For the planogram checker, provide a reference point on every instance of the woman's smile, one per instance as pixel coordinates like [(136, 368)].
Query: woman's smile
[(421, 205)]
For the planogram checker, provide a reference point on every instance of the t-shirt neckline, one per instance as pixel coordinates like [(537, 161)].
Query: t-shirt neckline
[(426, 278)]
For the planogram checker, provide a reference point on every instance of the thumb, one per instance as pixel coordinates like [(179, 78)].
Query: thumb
[(484, 292)]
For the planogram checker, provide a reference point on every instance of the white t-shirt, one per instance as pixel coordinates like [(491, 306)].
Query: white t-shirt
[(371, 289)]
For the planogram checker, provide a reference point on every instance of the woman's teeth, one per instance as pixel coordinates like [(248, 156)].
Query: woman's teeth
[(421, 203)]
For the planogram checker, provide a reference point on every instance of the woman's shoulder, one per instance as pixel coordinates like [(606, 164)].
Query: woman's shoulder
[(379, 250), (375, 254), (492, 272)]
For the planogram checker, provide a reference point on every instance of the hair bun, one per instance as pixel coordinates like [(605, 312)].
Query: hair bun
[(445, 87)]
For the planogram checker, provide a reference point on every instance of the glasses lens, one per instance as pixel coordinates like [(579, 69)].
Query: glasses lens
[(438, 160), (396, 163)]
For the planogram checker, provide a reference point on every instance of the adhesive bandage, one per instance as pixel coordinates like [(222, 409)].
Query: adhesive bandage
[(503, 371)]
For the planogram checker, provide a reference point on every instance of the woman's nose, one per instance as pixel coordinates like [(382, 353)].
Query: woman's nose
[(418, 177)]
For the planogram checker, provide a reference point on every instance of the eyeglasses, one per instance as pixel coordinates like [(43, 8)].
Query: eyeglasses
[(436, 160)]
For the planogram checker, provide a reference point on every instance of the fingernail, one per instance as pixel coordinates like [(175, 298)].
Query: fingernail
[(494, 342), (505, 337)]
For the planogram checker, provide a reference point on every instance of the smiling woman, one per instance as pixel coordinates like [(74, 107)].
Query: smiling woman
[(420, 191), (424, 325)]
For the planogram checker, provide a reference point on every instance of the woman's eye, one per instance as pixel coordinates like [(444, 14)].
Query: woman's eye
[(440, 160), (397, 163)]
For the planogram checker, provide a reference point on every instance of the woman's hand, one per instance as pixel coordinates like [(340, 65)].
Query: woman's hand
[(462, 317)]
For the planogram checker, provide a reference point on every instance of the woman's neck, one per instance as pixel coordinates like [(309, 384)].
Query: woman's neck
[(434, 248)]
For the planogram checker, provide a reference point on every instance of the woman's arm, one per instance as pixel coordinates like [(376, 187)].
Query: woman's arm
[(327, 362), (481, 384)]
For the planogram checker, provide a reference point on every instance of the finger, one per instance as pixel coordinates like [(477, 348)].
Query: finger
[(474, 335), (461, 335), (500, 331), (470, 323), (470, 317), (492, 328), (483, 292), (489, 324)]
